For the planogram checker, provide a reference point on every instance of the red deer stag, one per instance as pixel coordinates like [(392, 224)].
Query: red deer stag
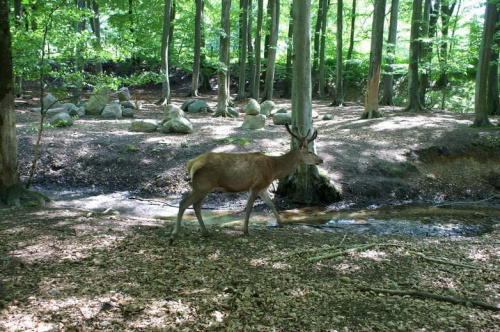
[(235, 172)]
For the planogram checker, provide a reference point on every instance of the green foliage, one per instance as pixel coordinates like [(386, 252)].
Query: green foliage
[(242, 141), (130, 148)]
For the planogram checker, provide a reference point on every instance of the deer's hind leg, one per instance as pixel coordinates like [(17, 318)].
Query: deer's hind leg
[(265, 197), (195, 199)]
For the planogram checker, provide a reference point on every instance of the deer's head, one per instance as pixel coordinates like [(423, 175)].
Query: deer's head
[(306, 156)]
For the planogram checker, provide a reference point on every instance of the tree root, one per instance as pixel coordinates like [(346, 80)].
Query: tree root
[(442, 261), (426, 295), (345, 252)]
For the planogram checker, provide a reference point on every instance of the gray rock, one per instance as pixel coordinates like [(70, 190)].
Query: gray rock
[(282, 118), (128, 113), (97, 101), (267, 107), (123, 94), (252, 107), (199, 106), (172, 111), (112, 111), (282, 110), (127, 104), (186, 103), (61, 119), (233, 112), (178, 125), (70, 107), (327, 117), (49, 101), (314, 114), (144, 126), (53, 111), (254, 121)]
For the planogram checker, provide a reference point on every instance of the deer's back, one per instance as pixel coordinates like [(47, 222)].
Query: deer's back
[(233, 172)]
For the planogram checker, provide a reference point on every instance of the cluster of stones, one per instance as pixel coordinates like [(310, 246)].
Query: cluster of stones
[(62, 114)]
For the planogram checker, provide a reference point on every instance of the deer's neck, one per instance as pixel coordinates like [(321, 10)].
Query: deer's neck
[(286, 163)]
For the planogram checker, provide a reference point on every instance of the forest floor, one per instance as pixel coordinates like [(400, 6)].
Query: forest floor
[(71, 268)]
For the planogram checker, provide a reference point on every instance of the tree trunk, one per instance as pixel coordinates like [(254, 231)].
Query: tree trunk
[(339, 80), (305, 185), (258, 41), (251, 57), (316, 42), (11, 190), (165, 97), (447, 8), (195, 80), (413, 83), (322, 47), (350, 50), (493, 94), (243, 50), (273, 44), (388, 78), (372, 87), (223, 76), (288, 79), (95, 24), (483, 66), (428, 33)]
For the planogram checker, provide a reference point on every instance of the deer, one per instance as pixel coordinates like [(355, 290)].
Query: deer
[(237, 172)]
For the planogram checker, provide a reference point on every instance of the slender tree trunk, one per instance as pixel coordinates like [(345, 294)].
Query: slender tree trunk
[(18, 80), (413, 83), (304, 185), (493, 98), (223, 76), (258, 42), (95, 24), (250, 53), (447, 8), (372, 87), (11, 189), (273, 44), (165, 98), (388, 78), (288, 79), (316, 43), (322, 47), (243, 50), (350, 50), (483, 66), (195, 80), (428, 33), (339, 80)]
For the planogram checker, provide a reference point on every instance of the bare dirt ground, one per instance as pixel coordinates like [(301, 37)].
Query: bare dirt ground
[(71, 269)]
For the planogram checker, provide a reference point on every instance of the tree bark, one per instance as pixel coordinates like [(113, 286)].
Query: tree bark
[(493, 93), (339, 80), (223, 76), (271, 54), (372, 87), (165, 97), (322, 48), (243, 50), (195, 80), (288, 79), (258, 41), (350, 50), (413, 82), (11, 189), (483, 66), (305, 185), (447, 8), (388, 78)]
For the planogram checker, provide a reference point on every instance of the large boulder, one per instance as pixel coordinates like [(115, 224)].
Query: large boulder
[(49, 101), (282, 118), (123, 94), (97, 101), (61, 119), (199, 106), (127, 104), (53, 111), (144, 126), (252, 107), (128, 113), (186, 104), (172, 111), (112, 111), (267, 107), (254, 121), (177, 125)]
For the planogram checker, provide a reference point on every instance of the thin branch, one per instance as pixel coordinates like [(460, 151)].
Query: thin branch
[(442, 261), (347, 251)]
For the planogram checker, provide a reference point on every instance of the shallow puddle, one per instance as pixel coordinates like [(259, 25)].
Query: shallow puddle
[(416, 220)]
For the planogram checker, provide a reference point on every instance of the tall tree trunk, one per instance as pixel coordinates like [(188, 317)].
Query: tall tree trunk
[(243, 50), (322, 47), (18, 12), (388, 78), (447, 8), (304, 185), (289, 54), (11, 190), (223, 76), (413, 83), (165, 97), (273, 44), (339, 79), (251, 57), (95, 24), (493, 98), (483, 66), (258, 46), (316, 44), (195, 80), (372, 87), (428, 33), (350, 50)]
